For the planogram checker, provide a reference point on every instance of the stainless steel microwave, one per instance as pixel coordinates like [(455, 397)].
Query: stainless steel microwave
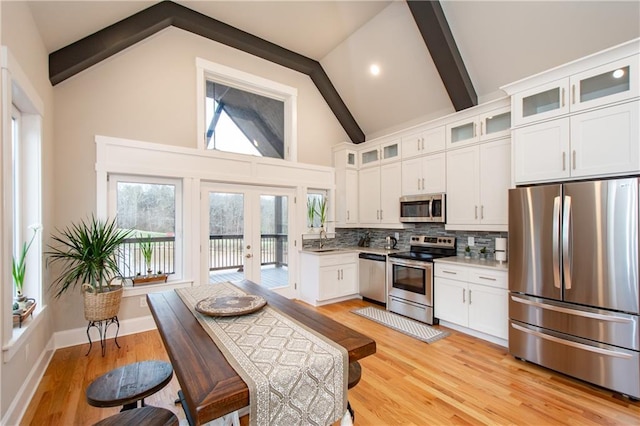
[(423, 208)]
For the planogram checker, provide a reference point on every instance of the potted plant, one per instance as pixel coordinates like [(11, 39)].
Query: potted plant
[(89, 253), (146, 249), (467, 252), (322, 212), (19, 267), (311, 212), (483, 253)]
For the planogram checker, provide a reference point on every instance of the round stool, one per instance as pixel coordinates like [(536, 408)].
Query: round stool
[(129, 384), (145, 416)]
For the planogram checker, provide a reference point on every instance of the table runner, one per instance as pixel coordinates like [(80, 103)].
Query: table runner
[(294, 375)]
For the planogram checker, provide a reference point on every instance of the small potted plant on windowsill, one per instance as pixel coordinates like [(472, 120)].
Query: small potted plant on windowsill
[(322, 213), (146, 249), (311, 213)]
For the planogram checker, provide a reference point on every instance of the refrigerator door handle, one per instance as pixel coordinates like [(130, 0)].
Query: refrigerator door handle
[(572, 344), (556, 242), (566, 243), (592, 315)]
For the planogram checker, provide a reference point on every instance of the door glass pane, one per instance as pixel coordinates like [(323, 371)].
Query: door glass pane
[(541, 102), (462, 133), (226, 237), (498, 123), (369, 156), (390, 151), (274, 231), (351, 159), (606, 84)]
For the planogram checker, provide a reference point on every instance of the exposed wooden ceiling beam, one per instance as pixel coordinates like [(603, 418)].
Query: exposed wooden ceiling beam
[(76, 57), (437, 36)]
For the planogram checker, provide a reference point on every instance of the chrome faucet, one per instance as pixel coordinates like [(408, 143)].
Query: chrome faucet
[(322, 232)]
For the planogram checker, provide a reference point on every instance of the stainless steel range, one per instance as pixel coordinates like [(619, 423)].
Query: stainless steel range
[(410, 276)]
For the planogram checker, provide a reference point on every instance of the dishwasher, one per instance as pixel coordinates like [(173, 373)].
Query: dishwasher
[(372, 272)]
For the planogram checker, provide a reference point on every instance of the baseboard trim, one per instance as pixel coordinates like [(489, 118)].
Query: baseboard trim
[(78, 336), (493, 339), (16, 410)]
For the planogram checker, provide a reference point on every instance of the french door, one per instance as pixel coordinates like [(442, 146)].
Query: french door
[(246, 234)]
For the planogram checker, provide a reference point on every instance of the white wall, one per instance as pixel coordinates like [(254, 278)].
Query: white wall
[(148, 93), (23, 40)]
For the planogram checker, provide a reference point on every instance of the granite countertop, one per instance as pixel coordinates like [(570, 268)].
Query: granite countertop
[(461, 260), (357, 249)]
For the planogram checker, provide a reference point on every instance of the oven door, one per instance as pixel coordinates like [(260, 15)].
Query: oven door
[(411, 280)]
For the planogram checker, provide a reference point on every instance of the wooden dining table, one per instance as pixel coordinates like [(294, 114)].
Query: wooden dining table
[(210, 387)]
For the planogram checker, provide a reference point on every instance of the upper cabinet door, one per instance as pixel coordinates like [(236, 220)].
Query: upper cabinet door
[(370, 157), (608, 83), (542, 102), (463, 132), (496, 124), (390, 151)]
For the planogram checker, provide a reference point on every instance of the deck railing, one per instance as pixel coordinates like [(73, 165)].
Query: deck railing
[(225, 252)]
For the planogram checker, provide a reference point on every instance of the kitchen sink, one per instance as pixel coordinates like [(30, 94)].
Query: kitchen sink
[(323, 250)]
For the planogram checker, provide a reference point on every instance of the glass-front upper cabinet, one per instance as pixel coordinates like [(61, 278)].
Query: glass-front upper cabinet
[(491, 125), (370, 157), (390, 151), (609, 83), (539, 103)]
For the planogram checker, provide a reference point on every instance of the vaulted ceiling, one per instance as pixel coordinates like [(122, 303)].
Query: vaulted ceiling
[(499, 42)]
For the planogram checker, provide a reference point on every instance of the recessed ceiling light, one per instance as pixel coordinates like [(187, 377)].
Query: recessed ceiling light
[(618, 73), (374, 69)]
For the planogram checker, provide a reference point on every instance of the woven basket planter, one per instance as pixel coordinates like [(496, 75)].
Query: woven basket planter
[(99, 306)]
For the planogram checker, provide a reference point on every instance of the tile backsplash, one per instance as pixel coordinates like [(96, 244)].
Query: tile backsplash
[(348, 237)]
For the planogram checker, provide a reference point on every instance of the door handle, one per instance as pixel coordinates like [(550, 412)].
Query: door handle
[(555, 243), (463, 294), (248, 256), (566, 243)]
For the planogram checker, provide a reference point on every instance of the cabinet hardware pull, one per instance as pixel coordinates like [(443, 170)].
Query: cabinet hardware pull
[(481, 130), (574, 159), (380, 214), (573, 94), (476, 213), (418, 183), (482, 211), (418, 144), (474, 130), (564, 161), (562, 104), (469, 296), (422, 183), (347, 214), (487, 278), (449, 272), (338, 271), (463, 294), (422, 143)]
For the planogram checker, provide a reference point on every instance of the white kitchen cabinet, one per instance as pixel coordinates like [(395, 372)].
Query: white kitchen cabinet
[(379, 193), (478, 180), (590, 144), (424, 142), (489, 125), (609, 83), (472, 297), (424, 175), (380, 153), (327, 278), (346, 199)]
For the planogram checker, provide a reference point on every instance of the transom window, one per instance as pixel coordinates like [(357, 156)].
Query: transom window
[(245, 114)]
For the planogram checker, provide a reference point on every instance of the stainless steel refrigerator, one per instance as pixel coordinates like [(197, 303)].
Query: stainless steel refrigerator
[(573, 280)]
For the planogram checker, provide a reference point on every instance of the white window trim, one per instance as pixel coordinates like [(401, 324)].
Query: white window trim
[(17, 90), (250, 83), (113, 179)]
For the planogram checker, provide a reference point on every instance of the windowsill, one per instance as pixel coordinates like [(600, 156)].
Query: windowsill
[(21, 335), (153, 288)]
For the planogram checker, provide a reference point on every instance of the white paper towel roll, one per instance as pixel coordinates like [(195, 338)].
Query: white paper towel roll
[(501, 249)]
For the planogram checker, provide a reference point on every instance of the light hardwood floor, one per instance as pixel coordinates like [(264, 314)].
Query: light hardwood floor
[(456, 380)]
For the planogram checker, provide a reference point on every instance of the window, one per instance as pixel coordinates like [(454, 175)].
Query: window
[(151, 208), (21, 177), (316, 208), (245, 114)]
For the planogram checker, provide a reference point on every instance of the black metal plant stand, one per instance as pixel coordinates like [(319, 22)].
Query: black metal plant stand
[(103, 326)]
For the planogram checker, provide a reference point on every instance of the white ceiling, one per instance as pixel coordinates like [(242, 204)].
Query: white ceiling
[(500, 42)]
